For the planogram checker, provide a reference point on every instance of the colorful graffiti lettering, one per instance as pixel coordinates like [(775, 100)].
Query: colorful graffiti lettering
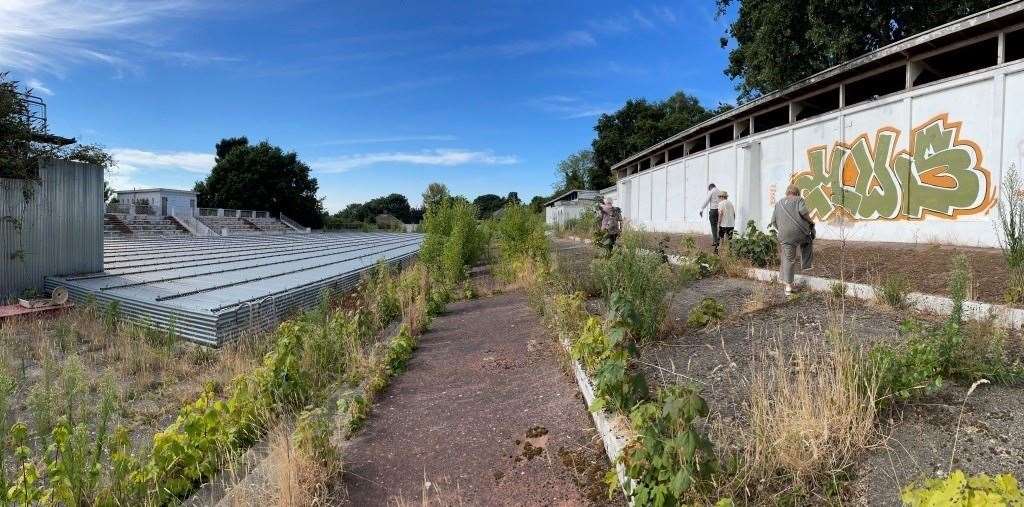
[(939, 174)]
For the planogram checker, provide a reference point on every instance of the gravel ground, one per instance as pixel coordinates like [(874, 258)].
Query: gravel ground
[(486, 413)]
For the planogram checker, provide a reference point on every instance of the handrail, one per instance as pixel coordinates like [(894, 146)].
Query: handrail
[(291, 223), (192, 223)]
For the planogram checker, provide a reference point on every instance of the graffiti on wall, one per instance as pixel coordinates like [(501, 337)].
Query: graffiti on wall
[(940, 174)]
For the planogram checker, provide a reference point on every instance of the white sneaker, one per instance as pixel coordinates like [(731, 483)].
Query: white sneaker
[(789, 290)]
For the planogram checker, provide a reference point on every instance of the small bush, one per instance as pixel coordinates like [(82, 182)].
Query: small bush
[(893, 290), (961, 489), (312, 437), (670, 460), (837, 289), (760, 248), (453, 240), (519, 235), (708, 311), (567, 315), (639, 277)]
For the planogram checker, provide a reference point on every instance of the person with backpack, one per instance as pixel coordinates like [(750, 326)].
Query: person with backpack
[(611, 223), (726, 218), (792, 221)]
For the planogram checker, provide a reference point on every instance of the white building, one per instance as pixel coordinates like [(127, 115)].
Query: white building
[(569, 205), (908, 143), (161, 201)]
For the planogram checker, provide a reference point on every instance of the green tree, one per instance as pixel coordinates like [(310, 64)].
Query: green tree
[(487, 204), (778, 42), (434, 194), (638, 125), (513, 198), (261, 177), (24, 144), (575, 172), (537, 203)]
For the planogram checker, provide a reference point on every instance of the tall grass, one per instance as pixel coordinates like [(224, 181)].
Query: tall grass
[(1011, 234), (641, 279)]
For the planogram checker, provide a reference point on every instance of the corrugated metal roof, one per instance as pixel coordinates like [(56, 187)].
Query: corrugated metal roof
[(212, 289)]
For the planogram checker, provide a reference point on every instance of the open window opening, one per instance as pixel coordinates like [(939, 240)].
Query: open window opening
[(676, 152), (1013, 46), (644, 164), (696, 145), (817, 104), (775, 118), (721, 136), (955, 62), (742, 128), (876, 85)]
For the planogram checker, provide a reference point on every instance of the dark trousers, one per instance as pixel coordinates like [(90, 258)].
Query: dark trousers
[(725, 232), (609, 241), (713, 217)]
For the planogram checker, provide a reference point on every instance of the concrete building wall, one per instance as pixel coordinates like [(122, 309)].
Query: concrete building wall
[(922, 165), (50, 227), (179, 201)]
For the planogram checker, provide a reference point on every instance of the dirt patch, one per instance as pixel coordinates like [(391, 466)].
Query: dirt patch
[(484, 405)]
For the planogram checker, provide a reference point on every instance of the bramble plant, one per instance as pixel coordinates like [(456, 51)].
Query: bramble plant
[(760, 248), (669, 459)]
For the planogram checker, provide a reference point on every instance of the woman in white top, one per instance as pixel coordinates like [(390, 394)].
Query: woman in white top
[(726, 217)]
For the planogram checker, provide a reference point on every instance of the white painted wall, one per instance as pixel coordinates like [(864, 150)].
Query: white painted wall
[(755, 170), (175, 200), (563, 211)]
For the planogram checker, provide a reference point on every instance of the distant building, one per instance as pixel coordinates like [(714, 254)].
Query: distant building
[(908, 143), (569, 205), (161, 201)]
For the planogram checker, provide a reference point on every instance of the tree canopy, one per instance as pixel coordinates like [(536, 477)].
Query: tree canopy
[(487, 204), (637, 125), (778, 42), (575, 172), (435, 193), (396, 205), (261, 177)]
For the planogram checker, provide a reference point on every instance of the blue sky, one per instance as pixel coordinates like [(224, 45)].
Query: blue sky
[(377, 97)]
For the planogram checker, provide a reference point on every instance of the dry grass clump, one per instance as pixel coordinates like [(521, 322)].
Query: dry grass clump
[(432, 494), (758, 299), (812, 411), (296, 477)]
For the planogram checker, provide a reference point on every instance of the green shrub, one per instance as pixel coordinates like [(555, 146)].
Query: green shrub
[(312, 437), (1011, 233), (893, 290), (708, 311), (519, 235), (567, 315), (961, 489), (670, 459), (592, 346), (837, 289), (639, 277), (760, 248), (452, 241)]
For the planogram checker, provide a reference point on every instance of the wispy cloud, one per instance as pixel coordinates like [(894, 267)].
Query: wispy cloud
[(649, 18), (436, 157), (393, 88), (51, 35), (37, 86), (381, 140), (568, 107), (131, 164), (524, 47)]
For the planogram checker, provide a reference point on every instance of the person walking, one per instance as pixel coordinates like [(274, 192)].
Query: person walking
[(792, 221), (712, 202), (726, 217), (611, 223)]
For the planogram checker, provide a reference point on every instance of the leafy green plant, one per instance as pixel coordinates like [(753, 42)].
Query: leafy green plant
[(670, 459), (519, 236), (592, 346), (961, 489), (567, 315), (617, 384), (312, 437), (708, 311), (760, 248), (639, 277), (453, 240), (893, 291)]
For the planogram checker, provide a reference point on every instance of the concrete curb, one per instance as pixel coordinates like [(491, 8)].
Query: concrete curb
[(613, 442), (1004, 316)]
